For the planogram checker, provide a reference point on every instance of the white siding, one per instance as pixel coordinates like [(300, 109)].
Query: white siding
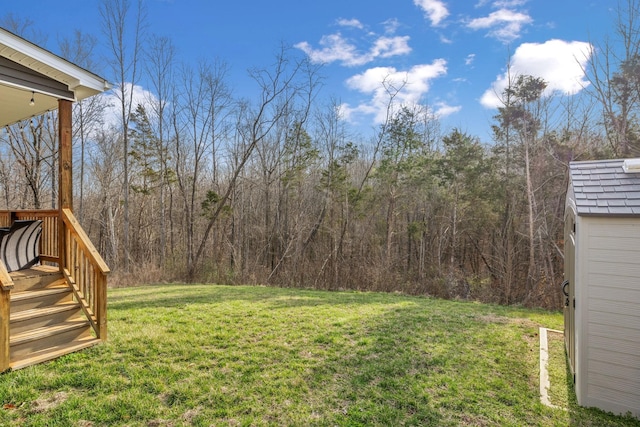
[(608, 307)]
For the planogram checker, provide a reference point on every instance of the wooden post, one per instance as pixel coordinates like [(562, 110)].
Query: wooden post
[(4, 329), (101, 305), (65, 179), (65, 155)]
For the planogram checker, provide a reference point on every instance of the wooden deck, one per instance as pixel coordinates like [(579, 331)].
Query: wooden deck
[(56, 308)]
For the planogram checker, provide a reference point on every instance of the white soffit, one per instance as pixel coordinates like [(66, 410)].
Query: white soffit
[(15, 94)]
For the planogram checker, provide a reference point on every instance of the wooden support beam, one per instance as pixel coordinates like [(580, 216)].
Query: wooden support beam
[(101, 306), (65, 193), (65, 178)]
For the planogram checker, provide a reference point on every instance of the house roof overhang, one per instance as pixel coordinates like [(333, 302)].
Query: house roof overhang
[(28, 71)]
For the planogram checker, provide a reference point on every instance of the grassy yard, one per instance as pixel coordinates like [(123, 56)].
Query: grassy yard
[(219, 355)]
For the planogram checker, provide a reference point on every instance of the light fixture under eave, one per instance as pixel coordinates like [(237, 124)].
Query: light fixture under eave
[(33, 101)]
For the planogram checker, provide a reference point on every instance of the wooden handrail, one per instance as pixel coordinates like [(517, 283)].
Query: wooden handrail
[(84, 242), (6, 282), (85, 271)]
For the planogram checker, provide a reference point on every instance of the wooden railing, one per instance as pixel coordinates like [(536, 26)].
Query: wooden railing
[(86, 272)]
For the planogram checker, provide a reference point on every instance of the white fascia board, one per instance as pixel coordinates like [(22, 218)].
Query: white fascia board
[(78, 75)]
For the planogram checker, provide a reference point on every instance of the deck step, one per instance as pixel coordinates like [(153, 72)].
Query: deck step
[(26, 343), (45, 319), (43, 316), (54, 352), (43, 311), (18, 296), (44, 297), (40, 276)]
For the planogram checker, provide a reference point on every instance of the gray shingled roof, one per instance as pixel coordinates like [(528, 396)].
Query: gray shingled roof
[(602, 188)]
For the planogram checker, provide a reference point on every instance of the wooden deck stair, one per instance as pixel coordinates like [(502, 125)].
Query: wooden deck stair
[(45, 320)]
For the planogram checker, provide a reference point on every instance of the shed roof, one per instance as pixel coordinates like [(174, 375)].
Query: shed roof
[(602, 188)]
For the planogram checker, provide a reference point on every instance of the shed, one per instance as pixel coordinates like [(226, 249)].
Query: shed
[(602, 272)]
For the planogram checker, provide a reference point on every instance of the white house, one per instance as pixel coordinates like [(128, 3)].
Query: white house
[(602, 272)]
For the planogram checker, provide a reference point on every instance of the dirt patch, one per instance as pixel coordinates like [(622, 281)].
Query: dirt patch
[(190, 415), (43, 405), (492, 318), (503, 320)]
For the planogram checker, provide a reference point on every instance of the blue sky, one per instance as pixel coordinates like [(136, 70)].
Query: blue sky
[(451, 53)]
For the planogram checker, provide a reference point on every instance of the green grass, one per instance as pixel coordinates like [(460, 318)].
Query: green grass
[(218, 355), (559, 373)]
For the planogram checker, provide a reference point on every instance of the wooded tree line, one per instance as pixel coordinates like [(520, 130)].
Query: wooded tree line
[(196, 184)]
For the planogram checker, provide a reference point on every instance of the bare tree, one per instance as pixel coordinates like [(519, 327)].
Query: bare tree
[(615, 80), (24, 28), (204, 101), (104, 165), (279, 88), (88, 113), (160, 68), (32, 147), (124, 30)]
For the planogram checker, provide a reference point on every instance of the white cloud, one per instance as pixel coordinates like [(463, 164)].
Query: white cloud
[(386, 47), (335, 47), (112, 113), (350, 23), (435, 10), (445, 40), (498, 4), (391, 25), (560, 63), (469, 59), (503, 24), (442, 109), (378, 82)]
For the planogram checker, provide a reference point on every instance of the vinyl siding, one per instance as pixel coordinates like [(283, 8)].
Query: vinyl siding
[(610, 315)]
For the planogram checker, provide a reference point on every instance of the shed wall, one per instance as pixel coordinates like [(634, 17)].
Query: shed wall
[(607, 314)]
